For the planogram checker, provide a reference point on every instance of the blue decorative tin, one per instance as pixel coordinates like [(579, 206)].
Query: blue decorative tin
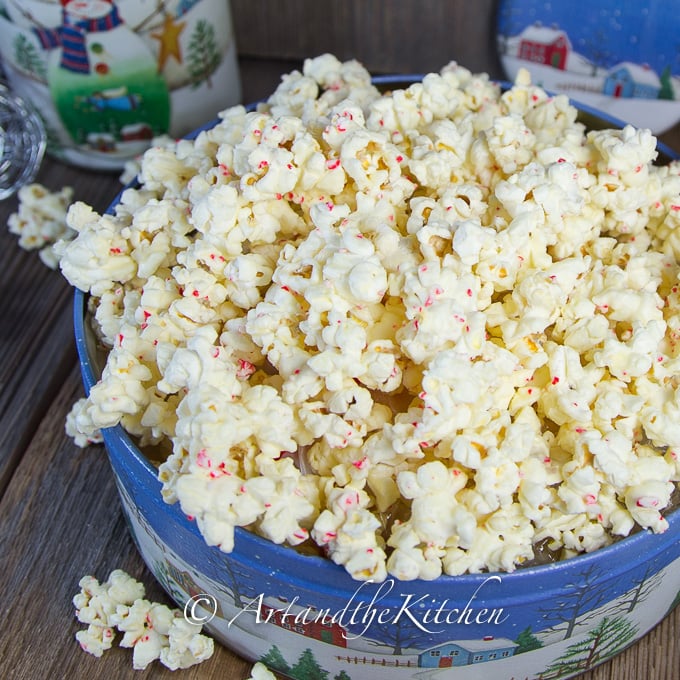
[(304, 616)]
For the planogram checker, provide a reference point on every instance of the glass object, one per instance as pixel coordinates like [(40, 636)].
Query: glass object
[(22, 142)]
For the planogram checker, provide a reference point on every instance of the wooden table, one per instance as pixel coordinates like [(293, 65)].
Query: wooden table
[(60, 516)]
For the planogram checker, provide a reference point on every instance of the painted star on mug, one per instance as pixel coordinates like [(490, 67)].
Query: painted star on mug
[(168, 38)]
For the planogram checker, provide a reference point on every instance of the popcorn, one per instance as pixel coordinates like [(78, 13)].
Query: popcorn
[(95, 639), (186, 647), (436, 517), (40, 221), (153, 630), (644, 502), (348, 529), (426, 330), (82, 440), (260, 672), (100, 256), (96, 605), (131, 167), (145, 627)]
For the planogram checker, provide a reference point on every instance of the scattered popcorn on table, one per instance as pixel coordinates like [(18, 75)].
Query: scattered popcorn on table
[(41, 220), (96, 605), (431, 331), (260, 672), (153, 630)]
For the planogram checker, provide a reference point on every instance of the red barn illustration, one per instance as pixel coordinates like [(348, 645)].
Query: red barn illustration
[(543, 45), (308, 625)]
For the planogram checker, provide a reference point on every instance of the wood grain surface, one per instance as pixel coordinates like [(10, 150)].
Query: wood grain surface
[(60, 517), (393, 36)]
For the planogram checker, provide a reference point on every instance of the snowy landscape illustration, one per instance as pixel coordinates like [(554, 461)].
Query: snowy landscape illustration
[(590, 619), (620, 58)]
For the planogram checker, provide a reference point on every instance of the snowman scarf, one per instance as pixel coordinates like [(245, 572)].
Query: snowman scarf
[(70, 36)]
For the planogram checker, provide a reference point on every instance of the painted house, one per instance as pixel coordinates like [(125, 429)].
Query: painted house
[(101, 141), (466, 652), (543, 45), (136, 132), (317, 628), (632, 80)]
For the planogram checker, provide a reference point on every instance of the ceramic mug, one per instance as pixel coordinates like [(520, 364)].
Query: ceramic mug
[(109, 75)]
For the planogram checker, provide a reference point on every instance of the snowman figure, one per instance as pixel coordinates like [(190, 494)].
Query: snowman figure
[(103, 79)]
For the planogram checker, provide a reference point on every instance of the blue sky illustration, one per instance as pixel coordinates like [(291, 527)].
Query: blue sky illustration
[(605, 31)]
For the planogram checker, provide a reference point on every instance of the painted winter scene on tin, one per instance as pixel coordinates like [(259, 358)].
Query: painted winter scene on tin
[(301, 635), (621, 57)]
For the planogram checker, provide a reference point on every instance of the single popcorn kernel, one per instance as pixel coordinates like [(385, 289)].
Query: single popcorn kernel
[(421, 332)]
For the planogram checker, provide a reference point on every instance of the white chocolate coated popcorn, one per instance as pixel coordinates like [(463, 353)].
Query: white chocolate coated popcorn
[(40, 221), (260, 672), (153, 630), (426, 330)]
